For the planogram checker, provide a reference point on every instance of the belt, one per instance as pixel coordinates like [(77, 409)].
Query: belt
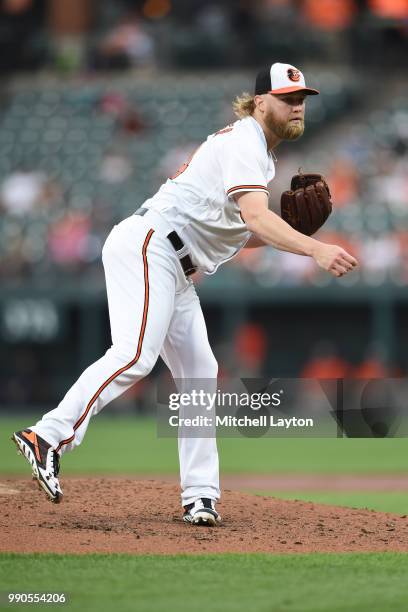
[(178, 245)]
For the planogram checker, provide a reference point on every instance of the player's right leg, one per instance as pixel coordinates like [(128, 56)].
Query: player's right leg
[(142, 276), (188, 354)]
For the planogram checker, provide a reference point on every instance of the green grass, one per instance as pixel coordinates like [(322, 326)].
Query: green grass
[(130, 445), (320, 582), (373, 582), (387, 501)]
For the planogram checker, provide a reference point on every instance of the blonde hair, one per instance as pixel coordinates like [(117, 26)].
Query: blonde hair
[(244, 105)]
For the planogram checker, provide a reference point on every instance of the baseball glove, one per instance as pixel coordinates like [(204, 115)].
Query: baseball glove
[(308, 203)]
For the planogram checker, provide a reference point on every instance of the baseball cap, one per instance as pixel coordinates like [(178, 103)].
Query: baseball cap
[(280, 79)]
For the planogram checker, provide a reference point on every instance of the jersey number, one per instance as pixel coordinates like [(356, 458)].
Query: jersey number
[(186, 164), (225, 130), (184, 167)]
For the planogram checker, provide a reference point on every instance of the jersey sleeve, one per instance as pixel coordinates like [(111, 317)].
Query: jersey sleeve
[(242, 169)]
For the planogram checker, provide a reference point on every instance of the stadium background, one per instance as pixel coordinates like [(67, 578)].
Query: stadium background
[(100, 102)]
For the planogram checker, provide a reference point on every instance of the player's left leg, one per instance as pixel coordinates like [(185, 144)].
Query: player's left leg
[(188, 354)]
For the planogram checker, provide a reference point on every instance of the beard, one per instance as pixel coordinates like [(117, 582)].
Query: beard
[(287, 130)]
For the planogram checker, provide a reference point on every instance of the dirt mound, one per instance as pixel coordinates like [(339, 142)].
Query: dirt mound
[(133, 516)]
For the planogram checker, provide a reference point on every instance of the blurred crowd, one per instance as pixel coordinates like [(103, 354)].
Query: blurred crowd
[(79, 154), (118, 34), (366, 166), (56, 213), (71, 167)]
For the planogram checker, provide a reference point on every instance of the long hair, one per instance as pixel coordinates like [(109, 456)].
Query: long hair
[(244, 105)]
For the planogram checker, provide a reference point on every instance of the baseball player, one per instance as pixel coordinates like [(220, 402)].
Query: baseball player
[(201, 217)]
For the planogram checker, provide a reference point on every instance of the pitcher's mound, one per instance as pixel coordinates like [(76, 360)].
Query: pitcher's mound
[(120, 515)]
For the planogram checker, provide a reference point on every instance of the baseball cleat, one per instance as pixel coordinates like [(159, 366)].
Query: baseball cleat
[(44, 461), (201, 512)]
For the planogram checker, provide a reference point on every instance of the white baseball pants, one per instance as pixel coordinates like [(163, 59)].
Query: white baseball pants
[(153, 309)]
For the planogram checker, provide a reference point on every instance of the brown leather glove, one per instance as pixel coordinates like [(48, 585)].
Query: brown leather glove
[(308, 204)]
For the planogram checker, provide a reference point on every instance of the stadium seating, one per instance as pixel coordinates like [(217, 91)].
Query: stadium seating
[(105, 146)]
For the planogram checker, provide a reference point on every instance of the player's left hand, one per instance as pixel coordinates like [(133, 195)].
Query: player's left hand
[(308, 203)]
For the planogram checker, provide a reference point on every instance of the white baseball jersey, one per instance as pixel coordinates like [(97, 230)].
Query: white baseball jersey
[(198, 200), (154, 308)]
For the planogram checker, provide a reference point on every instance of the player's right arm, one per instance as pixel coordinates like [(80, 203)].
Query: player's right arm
[(275, 231)]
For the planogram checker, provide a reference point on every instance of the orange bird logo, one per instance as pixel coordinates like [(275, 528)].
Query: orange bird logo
[(294, 74)]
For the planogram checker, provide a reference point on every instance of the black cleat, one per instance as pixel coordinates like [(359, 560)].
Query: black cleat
[(44, 461), (202, 512)]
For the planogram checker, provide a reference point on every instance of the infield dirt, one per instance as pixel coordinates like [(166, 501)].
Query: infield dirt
[(123, 515)]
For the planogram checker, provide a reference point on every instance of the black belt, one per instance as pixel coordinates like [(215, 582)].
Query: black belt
[(178, 245)]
